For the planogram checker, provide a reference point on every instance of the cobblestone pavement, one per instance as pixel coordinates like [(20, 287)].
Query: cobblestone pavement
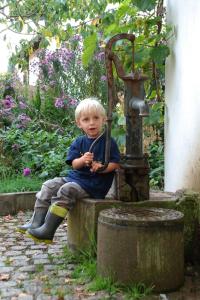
[(32, 271)]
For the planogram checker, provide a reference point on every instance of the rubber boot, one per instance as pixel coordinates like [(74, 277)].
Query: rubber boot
[(54, 218), (36, 220)]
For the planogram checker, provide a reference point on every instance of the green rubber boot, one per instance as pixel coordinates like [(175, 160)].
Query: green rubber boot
[(54, 218), (36, 220)]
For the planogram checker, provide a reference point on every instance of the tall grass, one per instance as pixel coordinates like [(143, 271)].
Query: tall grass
[(20, 184)]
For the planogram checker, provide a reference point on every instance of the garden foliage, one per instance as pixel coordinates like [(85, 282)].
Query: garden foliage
[(37, 127), (36, 130)]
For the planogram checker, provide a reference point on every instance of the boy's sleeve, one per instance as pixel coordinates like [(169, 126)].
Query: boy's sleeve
[(114, 152), (74, 152)]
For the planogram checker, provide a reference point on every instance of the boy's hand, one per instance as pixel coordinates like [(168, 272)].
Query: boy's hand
[(87, 158), (96, 166)]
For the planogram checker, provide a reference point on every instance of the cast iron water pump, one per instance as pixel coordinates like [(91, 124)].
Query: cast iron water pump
[(134, 163)]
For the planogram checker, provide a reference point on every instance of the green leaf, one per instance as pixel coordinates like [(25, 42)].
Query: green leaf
[(158, 106), (89, 46), (44, 43), (29, 28), (44, 174), (154, 118), (145, 4), (111, 28), (142, 55), (121, 121), (124, 9), (19, 26), (159, 54)]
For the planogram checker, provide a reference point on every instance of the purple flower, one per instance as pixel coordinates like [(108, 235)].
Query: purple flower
[(20, 98), (24, 118), (15, 147), (59, 103), (22, 105), (26, 171), (76, 37), (52, 83), (100, 56), (103, 78), (8, 97), (8, 102), (73, 102)]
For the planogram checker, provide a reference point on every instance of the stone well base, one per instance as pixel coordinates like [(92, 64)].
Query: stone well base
[(82, 221)]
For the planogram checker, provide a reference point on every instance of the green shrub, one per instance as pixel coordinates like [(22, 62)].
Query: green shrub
[(156, 162), (35, 148)]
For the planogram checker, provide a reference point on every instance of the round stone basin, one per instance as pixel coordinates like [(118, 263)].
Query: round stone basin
[(140, 245), (141, 216)]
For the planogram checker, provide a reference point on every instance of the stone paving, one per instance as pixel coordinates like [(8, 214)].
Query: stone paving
[(32, 271)]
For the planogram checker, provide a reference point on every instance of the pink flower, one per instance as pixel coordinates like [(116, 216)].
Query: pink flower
[(26, 171)]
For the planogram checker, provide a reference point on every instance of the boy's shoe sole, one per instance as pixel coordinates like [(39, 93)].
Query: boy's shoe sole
[(39, 240), (21, 230)]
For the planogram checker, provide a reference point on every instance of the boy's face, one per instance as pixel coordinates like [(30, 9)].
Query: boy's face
[(91, 124)]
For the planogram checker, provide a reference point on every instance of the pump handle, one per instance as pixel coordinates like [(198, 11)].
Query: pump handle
[(109, 58)]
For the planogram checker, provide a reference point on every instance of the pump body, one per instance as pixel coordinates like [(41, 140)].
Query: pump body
[(134, 163)]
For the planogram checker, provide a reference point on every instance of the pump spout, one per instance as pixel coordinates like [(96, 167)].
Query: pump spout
[(141, 105)]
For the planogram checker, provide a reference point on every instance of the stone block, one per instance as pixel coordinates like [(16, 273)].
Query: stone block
[(82, 221)]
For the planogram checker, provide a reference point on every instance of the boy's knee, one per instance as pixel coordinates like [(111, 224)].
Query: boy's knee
[(69, 190), (53, 183), (50, 188)]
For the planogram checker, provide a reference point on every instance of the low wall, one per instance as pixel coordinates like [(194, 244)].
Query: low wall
[(11, 203)]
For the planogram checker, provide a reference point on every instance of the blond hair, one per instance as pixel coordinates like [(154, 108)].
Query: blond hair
[(89, 105)]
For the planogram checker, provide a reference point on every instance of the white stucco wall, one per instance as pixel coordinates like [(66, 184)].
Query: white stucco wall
[(182, 129)]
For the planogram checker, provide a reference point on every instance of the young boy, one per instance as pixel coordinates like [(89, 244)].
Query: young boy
[(86, 156)]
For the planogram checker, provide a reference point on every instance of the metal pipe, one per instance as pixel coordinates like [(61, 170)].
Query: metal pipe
[(139, 104)]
